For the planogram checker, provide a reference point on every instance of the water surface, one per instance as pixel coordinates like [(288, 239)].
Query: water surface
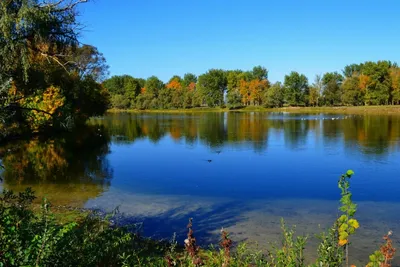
[(240, 171)]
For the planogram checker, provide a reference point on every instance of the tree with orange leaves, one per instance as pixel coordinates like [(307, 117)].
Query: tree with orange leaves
[(252, 91), (174, 83)]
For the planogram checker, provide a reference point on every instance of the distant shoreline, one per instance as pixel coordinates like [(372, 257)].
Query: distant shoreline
[(377, 110)]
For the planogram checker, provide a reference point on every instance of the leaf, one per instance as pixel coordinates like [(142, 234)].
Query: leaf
[(343, 242), (343, 227), (350, 173), (372, 258), (343, 236), (354, 223)]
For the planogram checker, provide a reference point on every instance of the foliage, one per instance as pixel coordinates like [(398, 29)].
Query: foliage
[(353, 94), (252, 91), (384, 256), (36, 239), (332, 82), (48, 80), (292, 251), (369, 83), (234, 99), (212, 86), (120, 102), (296, 89), (334, 246), (274, 96)]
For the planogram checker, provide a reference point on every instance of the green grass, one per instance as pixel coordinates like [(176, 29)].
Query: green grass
[(378, 110)]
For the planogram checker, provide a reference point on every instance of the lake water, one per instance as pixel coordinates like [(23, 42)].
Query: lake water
[(240, 171)]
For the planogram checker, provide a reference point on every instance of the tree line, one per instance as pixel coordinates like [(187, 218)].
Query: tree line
[(369, 83), (49, 80)]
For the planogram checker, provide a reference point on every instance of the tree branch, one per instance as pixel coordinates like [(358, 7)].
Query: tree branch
[(69, 6), (30, 109)]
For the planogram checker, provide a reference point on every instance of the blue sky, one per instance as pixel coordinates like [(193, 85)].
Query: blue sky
[(167, 37)]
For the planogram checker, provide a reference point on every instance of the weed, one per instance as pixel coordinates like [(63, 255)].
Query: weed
[(384, 256)]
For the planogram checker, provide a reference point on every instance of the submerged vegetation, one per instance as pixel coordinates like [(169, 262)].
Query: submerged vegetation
[(365, 84), (30, 238)]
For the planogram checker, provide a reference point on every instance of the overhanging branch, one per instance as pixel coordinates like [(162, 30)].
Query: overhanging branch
[(29, 109)]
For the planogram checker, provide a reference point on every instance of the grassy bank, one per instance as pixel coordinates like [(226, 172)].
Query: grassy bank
[(37, 238), (377, 110)]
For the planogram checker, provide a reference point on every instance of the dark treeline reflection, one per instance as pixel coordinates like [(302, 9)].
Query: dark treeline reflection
[(72, 163), (371, 134)]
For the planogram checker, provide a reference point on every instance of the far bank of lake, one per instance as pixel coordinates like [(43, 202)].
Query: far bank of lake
[(377, 110)]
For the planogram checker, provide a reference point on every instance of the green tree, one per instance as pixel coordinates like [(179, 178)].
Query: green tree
[(395, 77), (351, 70), (379, 86), (332, 82), (115, 85), (188, 79), (153, 85), (296, 89), (234, 99), (35, 28), (352, 94), (88, 61), (132, 88), (274, 96), (165, 98), (119, 101), (92, 99), (125, 86), (260, 73), (212, 86), (315, 91)]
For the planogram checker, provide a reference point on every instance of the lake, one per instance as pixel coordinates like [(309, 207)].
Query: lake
[(243, 171)]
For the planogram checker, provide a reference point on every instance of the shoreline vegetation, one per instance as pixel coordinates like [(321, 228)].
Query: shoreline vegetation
[(365, 84), (377, 110), (36, 238)]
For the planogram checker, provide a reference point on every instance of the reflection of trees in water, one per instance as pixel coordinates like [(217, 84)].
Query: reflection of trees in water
[(373, 134), (211, 130), (252, 127), (295, 132), (77, 158)]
